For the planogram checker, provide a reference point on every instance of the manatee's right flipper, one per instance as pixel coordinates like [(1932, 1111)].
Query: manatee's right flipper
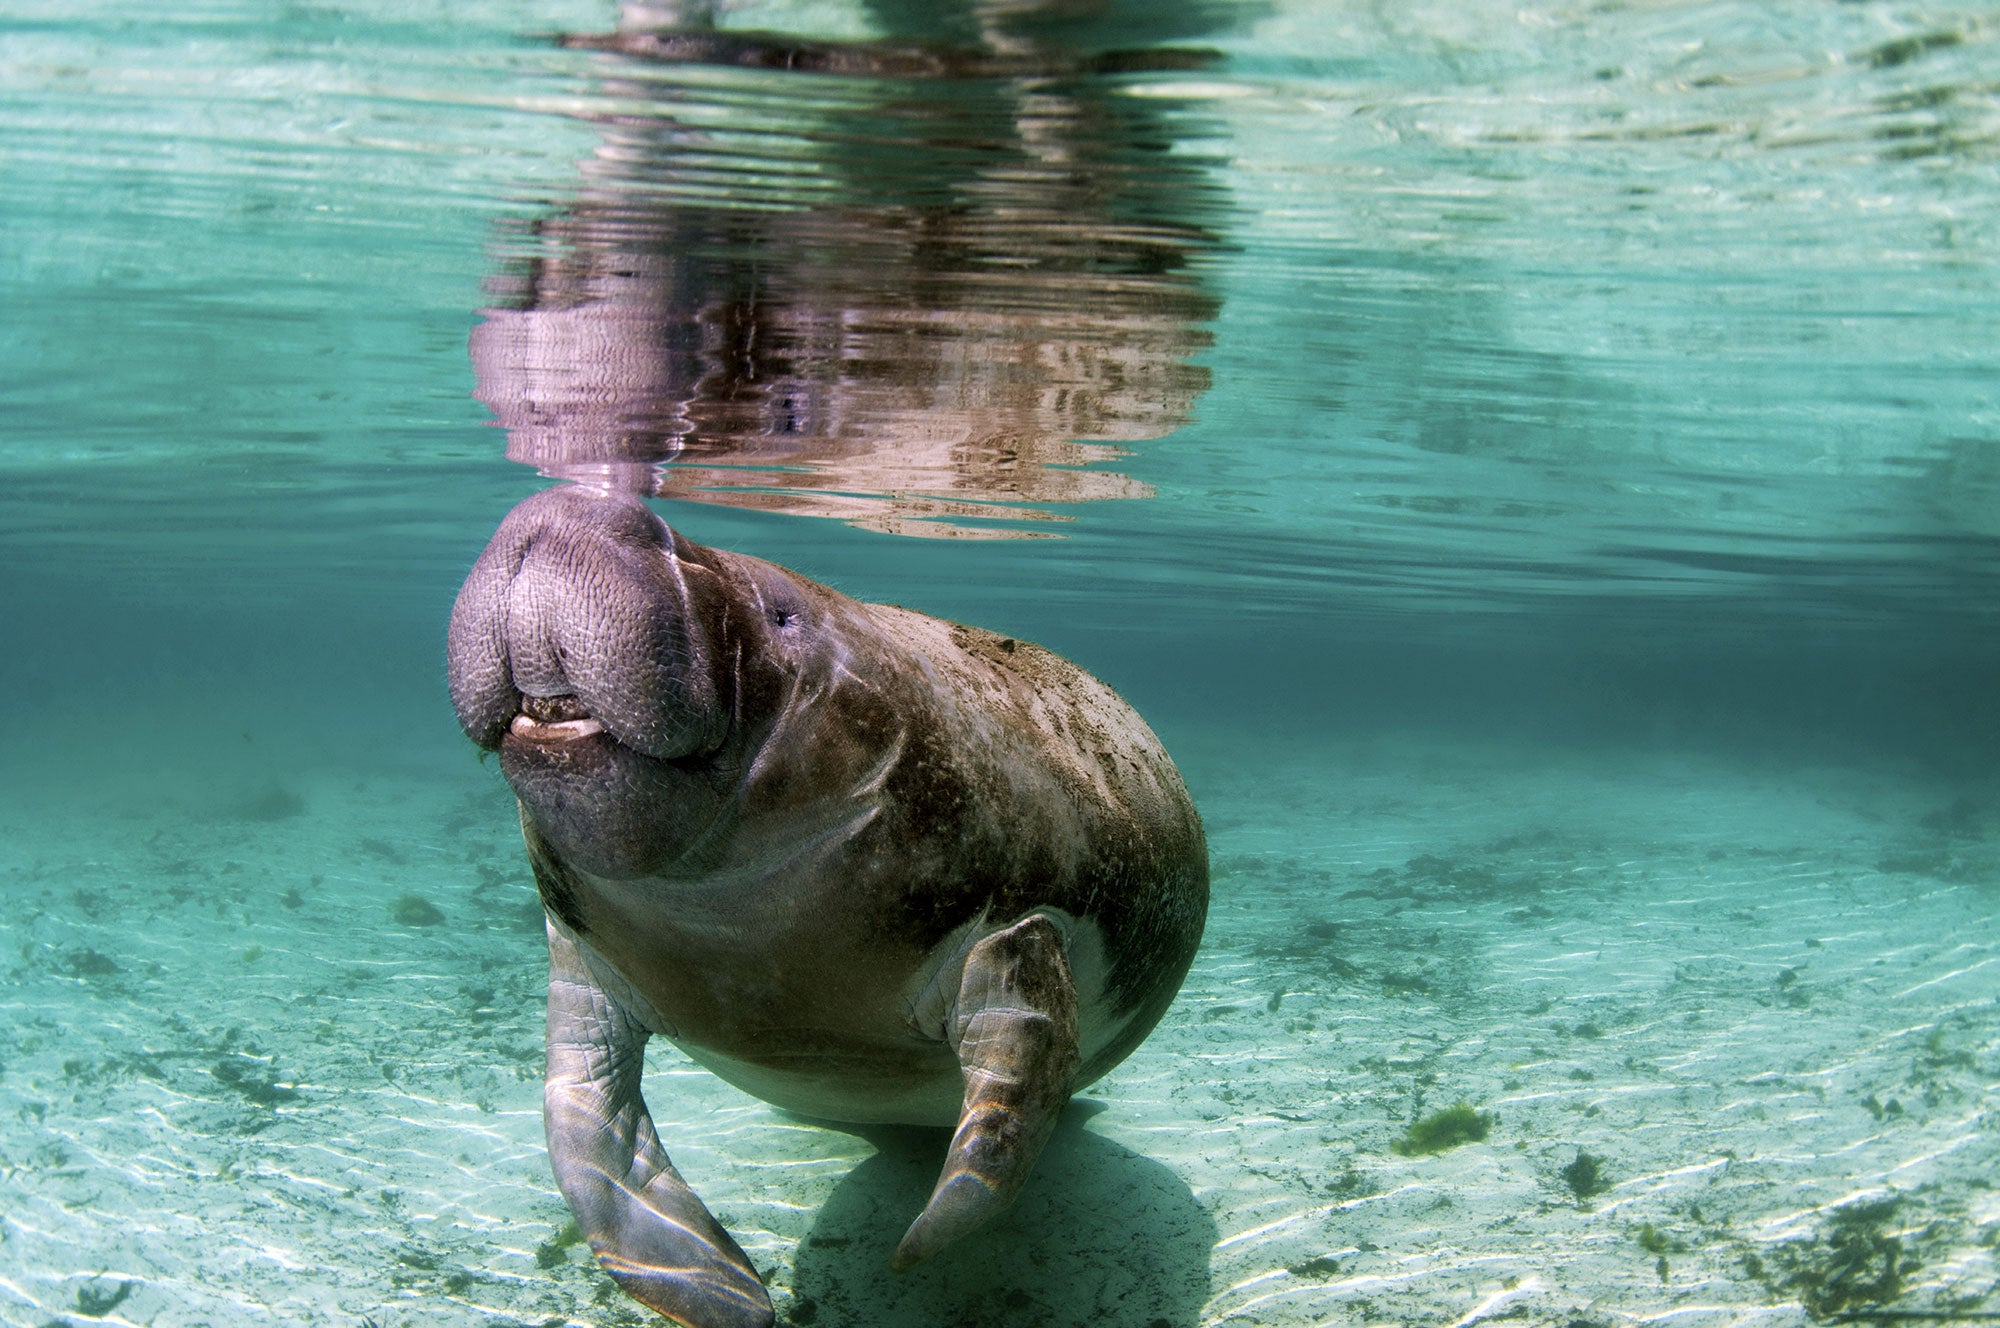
[(648, 1229), (1014, 1028)]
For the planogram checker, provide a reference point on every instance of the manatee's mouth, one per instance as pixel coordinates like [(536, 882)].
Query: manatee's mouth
[(553, 719), (602, 805)]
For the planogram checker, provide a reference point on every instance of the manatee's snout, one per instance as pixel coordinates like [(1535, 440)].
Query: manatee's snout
[(576, 621)]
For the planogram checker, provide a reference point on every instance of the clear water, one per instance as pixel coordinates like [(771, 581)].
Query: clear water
[(1537, 467)]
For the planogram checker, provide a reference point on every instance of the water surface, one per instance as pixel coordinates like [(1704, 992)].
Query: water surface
[(1537, 467)]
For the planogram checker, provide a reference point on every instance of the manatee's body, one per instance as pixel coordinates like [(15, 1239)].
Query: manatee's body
[(862, 863)]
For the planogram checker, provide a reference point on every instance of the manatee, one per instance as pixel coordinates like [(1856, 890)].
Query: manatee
[(866, 864)]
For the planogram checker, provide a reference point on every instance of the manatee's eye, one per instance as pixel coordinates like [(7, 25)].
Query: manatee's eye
[(783, 606)]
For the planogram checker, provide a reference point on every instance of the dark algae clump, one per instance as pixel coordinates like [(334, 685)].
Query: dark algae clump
[(416, 911), (261, 1088), (1585, 1175), (1854, 1265), (552, 1251), (95, 1304), (1440, 1130), (88, 963)]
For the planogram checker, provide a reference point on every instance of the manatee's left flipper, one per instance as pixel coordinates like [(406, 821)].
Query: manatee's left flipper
[(1015, 1032), (648, 1229)]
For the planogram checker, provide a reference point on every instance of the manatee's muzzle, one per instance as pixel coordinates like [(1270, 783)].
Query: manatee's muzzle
[(576, 622)]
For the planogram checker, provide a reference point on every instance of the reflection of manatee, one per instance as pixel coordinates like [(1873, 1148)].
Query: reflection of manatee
[(958, 327), (865, 864), (815, 398), (1121, 1243)]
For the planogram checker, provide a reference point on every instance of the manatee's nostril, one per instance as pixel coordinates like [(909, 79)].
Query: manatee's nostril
[(553, 709)]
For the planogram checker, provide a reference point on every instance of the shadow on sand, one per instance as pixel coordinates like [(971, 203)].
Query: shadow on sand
[(1102, 1236)]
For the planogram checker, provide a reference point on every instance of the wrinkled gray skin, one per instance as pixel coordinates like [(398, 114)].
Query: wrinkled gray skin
[(865, 864)]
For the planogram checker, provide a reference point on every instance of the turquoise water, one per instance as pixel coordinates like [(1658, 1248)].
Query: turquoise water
[(1538, 469)]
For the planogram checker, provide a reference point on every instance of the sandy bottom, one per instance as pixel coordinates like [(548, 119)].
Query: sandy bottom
[(273, 1056)]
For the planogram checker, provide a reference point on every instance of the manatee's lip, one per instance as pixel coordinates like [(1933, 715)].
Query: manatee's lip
[(567, 730)]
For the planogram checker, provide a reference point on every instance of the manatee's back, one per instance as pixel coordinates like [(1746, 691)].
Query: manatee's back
[(1044, 789)]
